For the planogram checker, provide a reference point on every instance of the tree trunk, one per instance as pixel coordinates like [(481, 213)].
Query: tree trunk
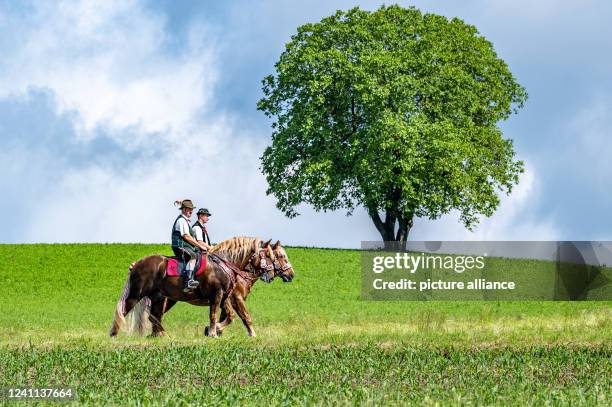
[(405, 225), (395, 237)]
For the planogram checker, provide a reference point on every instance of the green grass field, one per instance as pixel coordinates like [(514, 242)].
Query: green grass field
[(317, 341)]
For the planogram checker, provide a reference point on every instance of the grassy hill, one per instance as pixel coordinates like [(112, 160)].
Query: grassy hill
[(316, 339)]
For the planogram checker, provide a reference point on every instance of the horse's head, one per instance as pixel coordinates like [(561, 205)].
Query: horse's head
[(269, 261), (280, 261), (261, 262)]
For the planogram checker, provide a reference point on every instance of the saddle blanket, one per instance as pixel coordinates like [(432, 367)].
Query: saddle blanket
[(173, 267)]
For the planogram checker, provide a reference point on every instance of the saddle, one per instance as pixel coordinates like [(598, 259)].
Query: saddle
[(176, 268)]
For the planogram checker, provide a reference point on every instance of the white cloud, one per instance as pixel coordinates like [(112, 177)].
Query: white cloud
[(104, 64), (99, 206), (105, 60), (109, 65), (512, 221)]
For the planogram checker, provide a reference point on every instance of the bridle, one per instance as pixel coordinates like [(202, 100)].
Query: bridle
[(268, 264), (278, 267), (251, 271), (265, 266), (259, 264)]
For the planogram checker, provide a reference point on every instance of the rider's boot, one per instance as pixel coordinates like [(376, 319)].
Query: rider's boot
[(190, 283)]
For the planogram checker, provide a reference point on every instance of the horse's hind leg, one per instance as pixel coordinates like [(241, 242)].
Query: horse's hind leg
[(139, 285), (159, 305)]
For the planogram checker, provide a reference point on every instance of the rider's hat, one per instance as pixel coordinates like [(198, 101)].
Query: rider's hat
[(186, 203), (204, 211)]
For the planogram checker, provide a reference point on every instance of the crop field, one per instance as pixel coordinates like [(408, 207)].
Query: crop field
[(317, 342)]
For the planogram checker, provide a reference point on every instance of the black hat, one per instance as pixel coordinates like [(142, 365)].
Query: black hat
[(204, 211)]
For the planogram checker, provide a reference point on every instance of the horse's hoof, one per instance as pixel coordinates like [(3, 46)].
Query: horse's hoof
[(219, 332), (208, 332)]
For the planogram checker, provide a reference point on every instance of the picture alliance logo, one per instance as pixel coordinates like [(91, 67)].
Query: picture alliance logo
[(412, 262)]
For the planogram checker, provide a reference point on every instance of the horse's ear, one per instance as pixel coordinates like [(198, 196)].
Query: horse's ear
[(267, 243), (276, 245)]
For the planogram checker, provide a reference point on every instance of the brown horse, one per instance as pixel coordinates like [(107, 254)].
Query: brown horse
[(231, 267), (237, 301)]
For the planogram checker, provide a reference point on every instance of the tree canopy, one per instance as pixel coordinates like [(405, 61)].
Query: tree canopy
[(394, 110)]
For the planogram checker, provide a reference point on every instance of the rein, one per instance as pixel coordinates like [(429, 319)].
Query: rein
[(225, 265), (263, 262), (248, 277)]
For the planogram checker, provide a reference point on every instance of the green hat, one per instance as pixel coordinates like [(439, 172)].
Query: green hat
[(186, 203), (204, 211)]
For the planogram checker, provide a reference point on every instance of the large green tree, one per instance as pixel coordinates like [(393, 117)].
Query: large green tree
[(394, 110)]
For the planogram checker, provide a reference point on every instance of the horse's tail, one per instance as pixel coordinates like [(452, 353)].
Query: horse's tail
[(139, 307), (140, 322), (119, 318)]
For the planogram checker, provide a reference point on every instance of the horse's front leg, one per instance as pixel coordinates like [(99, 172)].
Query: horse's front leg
[(244, 314), (215, 305)]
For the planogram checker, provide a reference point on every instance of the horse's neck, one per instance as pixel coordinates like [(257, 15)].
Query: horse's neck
[(241, 263), (247, 258), (239, 249)]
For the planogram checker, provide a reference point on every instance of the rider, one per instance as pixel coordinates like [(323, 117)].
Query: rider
[(184, 244), (199, 227)]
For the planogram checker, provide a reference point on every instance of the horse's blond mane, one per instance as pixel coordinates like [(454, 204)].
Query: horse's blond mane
[(237, 249)]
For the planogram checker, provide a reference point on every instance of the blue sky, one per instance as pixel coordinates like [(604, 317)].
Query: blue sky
[(111, 110)]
